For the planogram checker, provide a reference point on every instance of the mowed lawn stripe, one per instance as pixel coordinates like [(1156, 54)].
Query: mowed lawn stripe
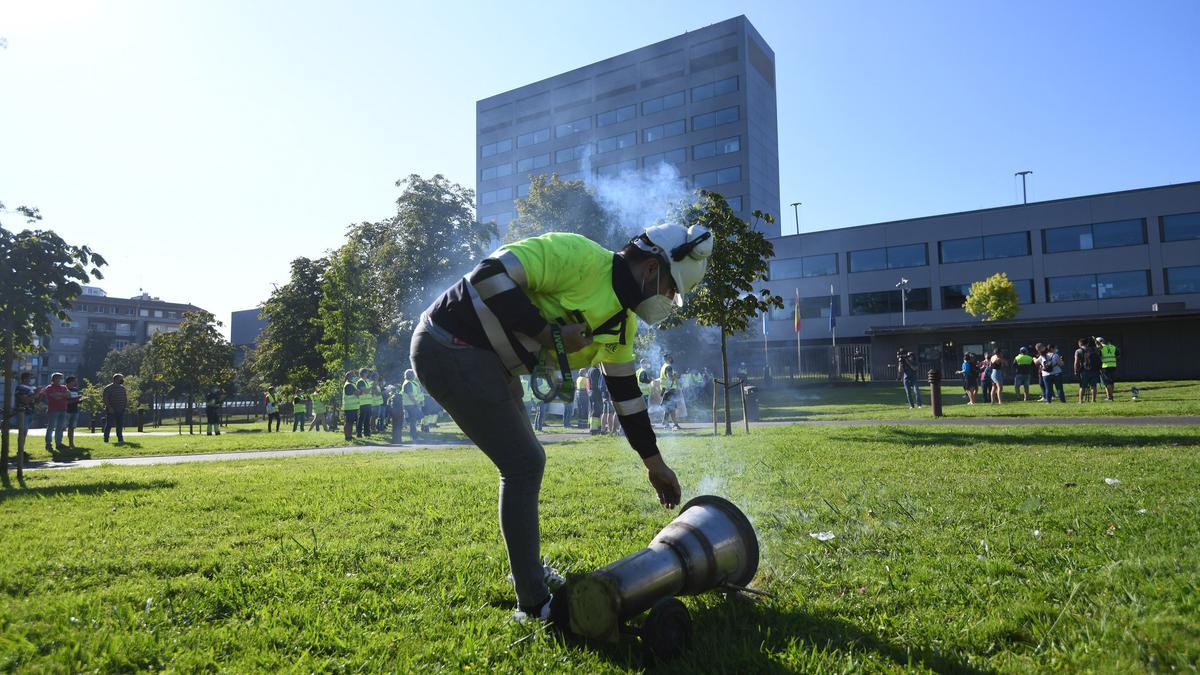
[(970, 549)]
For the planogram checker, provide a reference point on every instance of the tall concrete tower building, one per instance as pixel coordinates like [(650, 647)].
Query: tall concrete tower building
[(703, 102)]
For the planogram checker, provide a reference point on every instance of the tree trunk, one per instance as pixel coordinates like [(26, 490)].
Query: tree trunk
[(8, 407), (725, 387), (191, 397)]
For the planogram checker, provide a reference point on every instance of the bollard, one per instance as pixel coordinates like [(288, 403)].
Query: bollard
[(935, 392), (397, 423), (141, 414)]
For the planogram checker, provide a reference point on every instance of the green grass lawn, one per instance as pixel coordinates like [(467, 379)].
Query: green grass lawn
[(826, 402), (968, 549)]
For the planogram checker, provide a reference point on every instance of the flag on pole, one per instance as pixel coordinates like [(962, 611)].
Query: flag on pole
[(832, 310), (764, 315), (796, 318)]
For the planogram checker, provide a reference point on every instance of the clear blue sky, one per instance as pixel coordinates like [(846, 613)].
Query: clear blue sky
[(201, 145)]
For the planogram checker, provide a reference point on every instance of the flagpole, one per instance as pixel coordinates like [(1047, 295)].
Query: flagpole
[(766, 362), (796, 325)]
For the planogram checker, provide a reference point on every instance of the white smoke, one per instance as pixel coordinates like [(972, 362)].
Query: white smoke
[(638, 198)]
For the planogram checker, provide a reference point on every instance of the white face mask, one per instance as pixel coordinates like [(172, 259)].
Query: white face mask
[(656, 308)]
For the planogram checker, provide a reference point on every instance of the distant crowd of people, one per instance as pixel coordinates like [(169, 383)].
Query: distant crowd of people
[(60, 400), (668, 391), (984, 375)]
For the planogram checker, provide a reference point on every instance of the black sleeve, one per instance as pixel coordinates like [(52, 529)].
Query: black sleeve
[(512, 307), (638, 429)]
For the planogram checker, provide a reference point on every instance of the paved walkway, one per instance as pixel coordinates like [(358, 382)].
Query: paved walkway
[(580, 435)]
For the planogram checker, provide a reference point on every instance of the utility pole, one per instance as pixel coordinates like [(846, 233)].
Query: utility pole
[(796, 210), (903, 286), (1024, 194)]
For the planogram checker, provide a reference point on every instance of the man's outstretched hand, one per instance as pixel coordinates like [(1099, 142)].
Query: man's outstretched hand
[(666, 485)]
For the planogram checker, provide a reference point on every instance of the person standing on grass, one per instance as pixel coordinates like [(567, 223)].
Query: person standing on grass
[(1108, 366), (299, 412), (272, 401), (1040, 350), (985, 377), (319, 409), (212, 412), (1087, 368), (25, 394), (560, 294), (1022, 372), (998, 365), (968, 377), (72, 409), (115, 399), (1052, 373), (57, 399), (908, 377), (582, 398), (349, 405), (362, 384), (412, 397), (669, 380)]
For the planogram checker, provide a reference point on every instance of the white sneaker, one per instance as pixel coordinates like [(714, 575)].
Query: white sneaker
[(543, 613)]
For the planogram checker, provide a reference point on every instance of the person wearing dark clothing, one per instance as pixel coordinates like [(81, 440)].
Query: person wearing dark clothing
[(908, 377), (115, 401), (212, 411)]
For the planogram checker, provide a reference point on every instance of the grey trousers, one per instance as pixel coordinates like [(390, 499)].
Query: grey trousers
[(486, 402)]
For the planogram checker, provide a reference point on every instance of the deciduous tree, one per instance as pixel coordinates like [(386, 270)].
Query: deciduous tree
[(726, 298), (349, 311), (555, 205), (994, 298), (287, 350), (41, 275), (191, 359)]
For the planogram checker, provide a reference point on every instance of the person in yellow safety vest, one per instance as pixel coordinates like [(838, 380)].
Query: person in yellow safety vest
[(349, 405), (581, 399), (644, 378), (272, 400), (527, 398), (362, 384), (534, 304), (412, 397), (299, 412), (1108, 366), (670, 389), (319, 410)]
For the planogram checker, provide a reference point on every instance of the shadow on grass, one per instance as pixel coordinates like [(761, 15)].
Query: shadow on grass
[(965, 438), (85, 489), (70, 454), (745, 636)]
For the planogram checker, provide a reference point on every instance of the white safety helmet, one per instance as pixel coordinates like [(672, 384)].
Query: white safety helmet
[(684, 250)]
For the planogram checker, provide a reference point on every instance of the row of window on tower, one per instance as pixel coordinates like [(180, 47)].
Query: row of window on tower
[(704, 179), (723, 146), (628, 112)]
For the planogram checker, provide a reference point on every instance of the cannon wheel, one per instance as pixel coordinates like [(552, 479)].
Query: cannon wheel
[(667, 631)]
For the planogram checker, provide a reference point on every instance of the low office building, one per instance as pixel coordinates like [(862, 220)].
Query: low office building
[(1123, 265), (99, 323)]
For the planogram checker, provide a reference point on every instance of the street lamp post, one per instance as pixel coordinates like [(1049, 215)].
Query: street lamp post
[(903, 286), (796, 211), (1024, 195)]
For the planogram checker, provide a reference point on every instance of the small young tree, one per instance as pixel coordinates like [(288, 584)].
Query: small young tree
[(191, 359), (349, 314), (40, 277), (995, 298), (727, 298)]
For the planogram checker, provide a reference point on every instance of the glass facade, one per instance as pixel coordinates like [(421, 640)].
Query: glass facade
[(954, 295), (535, 162), (533, 138), (888, 258), (706, 91), (735, 203), (571, 154), (1098, 235), (661, 131), (498, 171), (714, 148), (1179, 227), (492, 196), (496, 148), (820, 265), (621, 114), (888, 302), (619, 167), (611, 143), (715, 118), (1098, 286), (1011, 245), (1182, 280), (573, 127), (730, 174), (663, 103), (816, 307), (676, 156)]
